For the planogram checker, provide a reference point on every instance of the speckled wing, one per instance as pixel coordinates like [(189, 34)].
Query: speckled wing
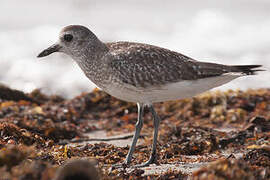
[(143, 65)]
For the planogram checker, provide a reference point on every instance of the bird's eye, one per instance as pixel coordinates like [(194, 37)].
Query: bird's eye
[(68, 37)]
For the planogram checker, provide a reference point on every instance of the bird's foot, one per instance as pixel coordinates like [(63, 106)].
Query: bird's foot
[(151, 160), (126, 164), (123, 165)]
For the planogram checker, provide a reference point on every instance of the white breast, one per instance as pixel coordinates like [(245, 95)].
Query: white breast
[(172, 91)]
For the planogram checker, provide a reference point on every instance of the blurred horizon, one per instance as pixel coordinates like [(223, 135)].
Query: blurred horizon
[(228, 32)]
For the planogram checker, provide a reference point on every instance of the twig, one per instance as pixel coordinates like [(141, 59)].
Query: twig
[(104, 139)]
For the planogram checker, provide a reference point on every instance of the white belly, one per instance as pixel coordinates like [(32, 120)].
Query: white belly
[(173, 91)]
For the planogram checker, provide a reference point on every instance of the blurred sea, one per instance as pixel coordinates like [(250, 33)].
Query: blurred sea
[(229, 32)]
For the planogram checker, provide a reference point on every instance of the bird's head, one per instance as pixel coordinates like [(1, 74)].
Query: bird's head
[(72, 41)]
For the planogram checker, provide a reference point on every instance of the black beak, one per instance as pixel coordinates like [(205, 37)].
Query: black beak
[(50, 50)]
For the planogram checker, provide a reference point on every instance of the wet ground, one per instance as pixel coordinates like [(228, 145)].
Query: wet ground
[(218, 135)]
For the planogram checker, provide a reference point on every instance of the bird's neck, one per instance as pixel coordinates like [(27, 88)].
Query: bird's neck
[(92, 62)]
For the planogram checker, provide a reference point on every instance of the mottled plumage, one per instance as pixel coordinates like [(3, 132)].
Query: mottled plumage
[(143, 65), (142, 73)]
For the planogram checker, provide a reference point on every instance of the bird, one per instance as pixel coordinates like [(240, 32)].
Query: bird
[(142, 73)]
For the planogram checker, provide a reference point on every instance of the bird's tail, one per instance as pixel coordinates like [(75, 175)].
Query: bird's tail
[(246, 69)]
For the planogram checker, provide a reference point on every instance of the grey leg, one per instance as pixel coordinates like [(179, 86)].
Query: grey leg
[(156, 126), (138, 128), (154, 145)]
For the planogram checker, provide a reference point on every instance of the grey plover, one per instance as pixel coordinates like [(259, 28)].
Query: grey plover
[(142, 73)]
